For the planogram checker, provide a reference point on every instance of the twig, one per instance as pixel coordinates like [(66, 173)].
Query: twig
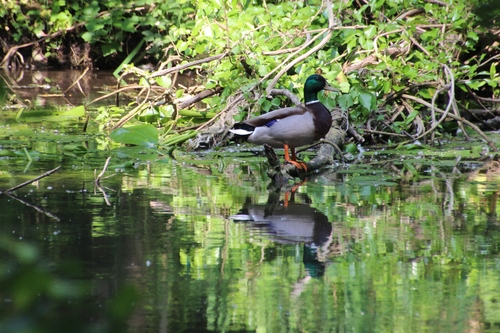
[(38, 209), (289, 65), (411, 12), (76, 81), (285, 92), (132, 87), (228, 107), (375, 40), (324, 41), (354, 133), (48, 173), (104, 194), (98, 178), (199, 97), (383, 133), (437, 2), (451, 115), (189, 64), (488, 60), (136, 110)]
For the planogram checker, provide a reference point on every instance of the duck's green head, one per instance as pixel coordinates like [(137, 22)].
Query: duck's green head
[(314, 84)]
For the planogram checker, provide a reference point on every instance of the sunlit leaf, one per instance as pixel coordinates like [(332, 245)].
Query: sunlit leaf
[(164, 81), (368, 100), (140, 135), (75, 112)]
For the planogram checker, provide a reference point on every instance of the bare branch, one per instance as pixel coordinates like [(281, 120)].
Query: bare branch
[(48, 173)]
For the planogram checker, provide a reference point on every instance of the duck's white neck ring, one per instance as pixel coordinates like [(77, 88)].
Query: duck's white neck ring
[(312, 102)]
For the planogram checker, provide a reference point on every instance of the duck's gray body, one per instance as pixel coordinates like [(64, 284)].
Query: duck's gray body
[(292, 126)]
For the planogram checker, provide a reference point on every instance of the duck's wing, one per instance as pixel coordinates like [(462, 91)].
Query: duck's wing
[(275, 115)]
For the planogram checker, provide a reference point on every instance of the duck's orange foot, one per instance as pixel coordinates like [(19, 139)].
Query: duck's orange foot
[(298, 165)]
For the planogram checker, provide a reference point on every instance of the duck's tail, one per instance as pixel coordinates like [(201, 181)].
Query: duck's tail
[(242, 130)]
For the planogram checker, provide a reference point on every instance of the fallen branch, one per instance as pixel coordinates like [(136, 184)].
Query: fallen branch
[(453, 116), (199, 97), (188, 65), (76, 81), (98, 178), (13, 49), (38, 209), (48, 173), (285, 92)]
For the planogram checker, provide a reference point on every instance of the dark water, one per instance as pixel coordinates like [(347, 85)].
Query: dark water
[(44, 88), (336, 256), (200, 244)]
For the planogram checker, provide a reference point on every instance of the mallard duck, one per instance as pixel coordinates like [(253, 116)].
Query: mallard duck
[(291, 127)]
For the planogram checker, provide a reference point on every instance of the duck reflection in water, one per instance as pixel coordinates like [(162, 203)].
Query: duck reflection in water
[(289, 222)]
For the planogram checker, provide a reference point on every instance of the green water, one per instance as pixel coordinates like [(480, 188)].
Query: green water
[(335, 256), (407, 241)]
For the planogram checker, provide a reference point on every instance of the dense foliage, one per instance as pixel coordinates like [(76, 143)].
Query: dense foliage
[(405, 67)]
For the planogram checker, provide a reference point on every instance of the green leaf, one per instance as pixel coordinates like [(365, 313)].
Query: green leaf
[(110, 48), (140, 135), (7, 153), (265, 104), (130, 23), (493, 71), (74, 150), (164, 81), (411, 117), (78, 111), (472, 35), (371, 31), (87, 36), (351, 148), (345, 101), (75, 112), (94, 26), (367, 100)]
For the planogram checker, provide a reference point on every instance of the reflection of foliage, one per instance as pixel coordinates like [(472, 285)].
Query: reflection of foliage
[(405, 253), (38, 298), (416, 254)]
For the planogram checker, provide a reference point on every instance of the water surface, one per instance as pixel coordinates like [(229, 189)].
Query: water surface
[(209, 247)]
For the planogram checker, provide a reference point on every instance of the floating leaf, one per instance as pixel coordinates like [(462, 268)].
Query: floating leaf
[(140, 135), (75, 112), (74, 150), (7, 153), (133, 154), (78, 111)]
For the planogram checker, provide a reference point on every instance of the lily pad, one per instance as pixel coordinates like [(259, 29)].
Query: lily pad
[(75, 112), (139, 135)]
